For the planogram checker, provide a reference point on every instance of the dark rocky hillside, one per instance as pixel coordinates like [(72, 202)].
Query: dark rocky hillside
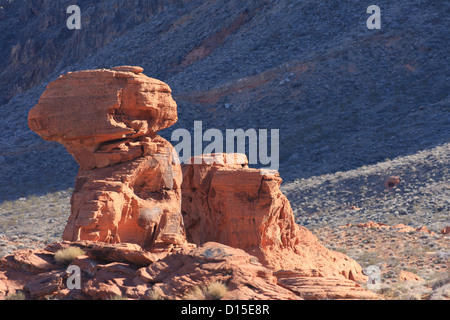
[(341, 95)]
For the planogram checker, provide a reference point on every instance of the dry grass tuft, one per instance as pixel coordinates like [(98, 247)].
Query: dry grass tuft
[(155, 295), (195, 293), (16, 296), (66, 256), (117, 297), (214, 291)]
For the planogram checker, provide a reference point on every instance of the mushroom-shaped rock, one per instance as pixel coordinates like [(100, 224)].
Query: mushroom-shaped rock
[(128, 188), (100, 116)]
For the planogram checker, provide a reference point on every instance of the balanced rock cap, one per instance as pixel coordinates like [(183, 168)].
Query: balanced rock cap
[(86, 110)]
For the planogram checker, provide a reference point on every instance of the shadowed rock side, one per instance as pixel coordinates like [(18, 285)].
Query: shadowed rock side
[(128, 185), (227, 202)]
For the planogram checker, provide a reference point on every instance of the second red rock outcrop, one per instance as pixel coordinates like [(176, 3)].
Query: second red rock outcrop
[(228, 202)]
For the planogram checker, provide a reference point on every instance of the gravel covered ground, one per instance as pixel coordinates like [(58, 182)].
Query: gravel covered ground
[(333, 205), (421, 198), (33, 221), (393, 251)]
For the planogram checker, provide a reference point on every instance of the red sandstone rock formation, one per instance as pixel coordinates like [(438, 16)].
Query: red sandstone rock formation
[(128, 186), (372, 224), (126, 208), (408, 276), (127, 270), (244, 208), (101, 116), (399, 227)]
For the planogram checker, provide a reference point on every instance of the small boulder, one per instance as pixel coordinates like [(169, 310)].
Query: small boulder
[(391, 182), (408, 276)]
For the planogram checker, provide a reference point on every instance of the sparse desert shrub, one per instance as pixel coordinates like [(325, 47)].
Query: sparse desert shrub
[(440, 280), (66, 256), (16, 296), (441, 293), (154, 295), (195, 293), (440, 286), (406, 290), (117, 297), (214, 291)]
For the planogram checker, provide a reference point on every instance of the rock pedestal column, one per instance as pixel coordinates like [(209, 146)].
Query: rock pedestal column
[(128, 188)]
